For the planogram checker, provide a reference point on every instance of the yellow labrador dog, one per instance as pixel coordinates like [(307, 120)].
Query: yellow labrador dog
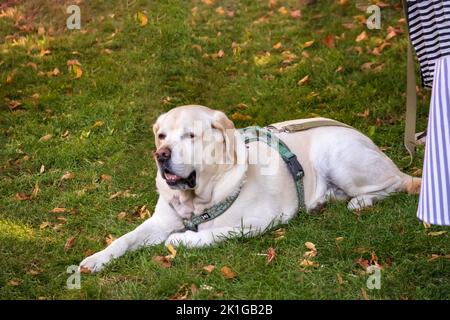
[(203, 162)]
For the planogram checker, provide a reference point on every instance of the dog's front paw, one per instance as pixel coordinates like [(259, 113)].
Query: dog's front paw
[(94, 263), (187, 239)]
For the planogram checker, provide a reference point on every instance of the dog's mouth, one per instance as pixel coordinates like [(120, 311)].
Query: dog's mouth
[(174, 180)]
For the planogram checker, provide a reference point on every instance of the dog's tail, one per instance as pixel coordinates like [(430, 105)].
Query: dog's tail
[(411, 185)]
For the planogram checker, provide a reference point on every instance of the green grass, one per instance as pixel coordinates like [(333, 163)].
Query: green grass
[(146, 70)]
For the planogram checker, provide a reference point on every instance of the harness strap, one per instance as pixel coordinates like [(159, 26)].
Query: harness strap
[(310, 125), (257, 133)]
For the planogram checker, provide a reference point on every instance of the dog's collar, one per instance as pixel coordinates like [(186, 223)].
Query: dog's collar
[(251, 134)]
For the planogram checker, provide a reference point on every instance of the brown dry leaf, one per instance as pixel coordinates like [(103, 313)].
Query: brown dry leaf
[(342, 2), (339, 278), (277, 45), (69, 243), (391, 34), (329, 41), (141, 18), (228, 273), (44, 225), (303, 81), (121, 215), (364, 294), (44, 52), (367, 66), (434, 257), (142, 212), (208, 2), (58, 210), (65, 134), (172, 251), (339, 239), (270, 255), (426, 225), (240, 116), (35, 271), (105, 177), (14, 104), (9, 77), (310, 254), (120, 194), (361, 37), (308, 44), (46, 137), (55, 72), (283, 11), (42, 169), (363, 263), (220, 54), (311, 246), (436, 233), (74, 66), (194, 289), (14, 282), (182, 293), (109, 239), (309, 263), (339, 69), (32, 65), (296, 14), (20, 196), (163, 261), (209, 268), (68, 176), (364, 114), (272, 3)]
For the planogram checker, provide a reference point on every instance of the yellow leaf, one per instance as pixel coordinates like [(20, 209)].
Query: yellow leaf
[(208, 2), (436, 233), (283, 11), (44, 225), (141, 18), (173, 252), (77, 70), (308, 44), (220, 11)]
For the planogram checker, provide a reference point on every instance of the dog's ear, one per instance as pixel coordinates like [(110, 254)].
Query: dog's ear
[(226, 126)]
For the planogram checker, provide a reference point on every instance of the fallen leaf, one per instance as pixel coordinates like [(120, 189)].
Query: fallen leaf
[(436, 233), (163, 261), (105, 177), (141, 18), (65, 134), (339, 239), (270, 255), (98, 123), (46, 137), (277, 45), (14, 282), (391, 34), (55, 72), (44, 225), (339, 69), (121, 215), (34, 272), (208, 2), (272, 3), (303, 81), (42, 169), (74, 67), (194, 289), (342, 2), (308, 44), (310, 246), (68, 176), (69, 243), (348, 25), (120, 194), (363, 263), (172, 251), (181, 294), (14, 104), (58, 210), (339, 278), (36, 190), (361, 37), (364, 114), (296, 14), (220, 11), (209, 268), (228, 273), (9, 77), (240, 116), (329, 41), (109, 239), (364, 294), (20, 196), (44, 52), (142, 212), (283, 11), (309, 263), (426, 225)]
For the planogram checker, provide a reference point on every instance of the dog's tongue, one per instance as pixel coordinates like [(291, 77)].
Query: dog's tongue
[(172, 177)]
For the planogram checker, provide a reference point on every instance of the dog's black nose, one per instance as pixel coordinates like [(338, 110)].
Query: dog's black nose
[(162, 154)]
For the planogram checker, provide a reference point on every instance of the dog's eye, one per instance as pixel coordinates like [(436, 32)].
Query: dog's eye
[(161, 136)]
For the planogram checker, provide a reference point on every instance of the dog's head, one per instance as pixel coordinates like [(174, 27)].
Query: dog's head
[(192, 142)]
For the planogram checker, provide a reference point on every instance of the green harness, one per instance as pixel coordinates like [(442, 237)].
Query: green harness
[(252, 134)]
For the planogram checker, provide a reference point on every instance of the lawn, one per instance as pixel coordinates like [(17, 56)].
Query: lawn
[(76, 115)]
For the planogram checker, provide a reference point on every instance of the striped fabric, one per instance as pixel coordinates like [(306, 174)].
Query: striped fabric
[(434, 199), (429, 31)]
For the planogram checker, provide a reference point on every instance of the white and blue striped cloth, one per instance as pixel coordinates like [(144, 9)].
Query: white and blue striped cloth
[(434, 199), (429, 32)]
